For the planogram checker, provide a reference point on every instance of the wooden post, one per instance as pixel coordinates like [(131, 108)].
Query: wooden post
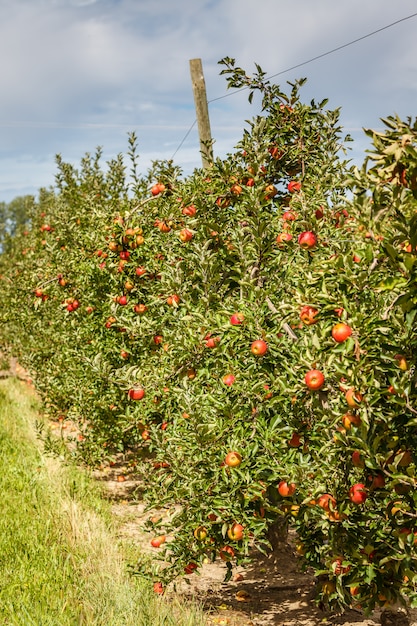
[(201, 107)]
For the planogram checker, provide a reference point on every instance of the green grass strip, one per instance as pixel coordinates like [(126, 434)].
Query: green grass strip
[(60, 564)]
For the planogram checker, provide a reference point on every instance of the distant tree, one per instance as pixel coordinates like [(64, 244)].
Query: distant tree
[(14, 216)]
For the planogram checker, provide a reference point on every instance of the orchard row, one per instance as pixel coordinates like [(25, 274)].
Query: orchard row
[(246, 335)]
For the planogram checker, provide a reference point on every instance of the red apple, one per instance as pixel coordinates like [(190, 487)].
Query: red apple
[(353, 398), (358, 493), (229, 379), (289, 216), (283, 238), (157, 189), (295, 441), (136, 393), (173, 300), (341, 331), (402, 362), (158, 588), (190, 568), (349, 419), (314, 379), (227, 553), (294, 186), (233, 459), (212, 342), (377, 481), (200, 533), (307, 240), (308, 315), (235, 532), (357, 459), (157, 542), (186, 235), (326, 502), (140, 271), (236, 319), (190, 211), (259, 347), (285, 489), (236, 189)]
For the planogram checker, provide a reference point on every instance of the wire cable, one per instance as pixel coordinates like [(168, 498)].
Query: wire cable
[(320, 56), (289, 69)]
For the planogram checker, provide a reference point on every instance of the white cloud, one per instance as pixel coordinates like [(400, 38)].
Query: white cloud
[(81, 73)]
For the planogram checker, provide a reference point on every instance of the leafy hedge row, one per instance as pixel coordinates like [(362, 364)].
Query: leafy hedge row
[(136, 301)]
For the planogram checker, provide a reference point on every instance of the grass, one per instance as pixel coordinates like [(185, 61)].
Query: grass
[(59, 560)]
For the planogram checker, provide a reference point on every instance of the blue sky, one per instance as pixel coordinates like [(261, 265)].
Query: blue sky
[(77, 74)]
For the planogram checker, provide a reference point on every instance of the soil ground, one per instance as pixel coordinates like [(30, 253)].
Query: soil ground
[(271, 591)]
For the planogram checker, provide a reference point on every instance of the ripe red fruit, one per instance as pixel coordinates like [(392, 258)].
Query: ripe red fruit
[(307, 240), (401, 362), (229, 379), (353, 398), (212, 342), (295, 441), (259, 347), (339, 568), (377, 481), (157, 339), (136, 393), (157, 189), (158, 588), (140, 271), (227, 553), (190, 211), (348, 419), (357, 493), (122, 300), (270, 192), (285, 489), (236, 319), (289, 216), (314, 379), (236, 189), (341, 331), (139, 309), (173, 300), (294, 186), (357, 459), (186, 235), (157, 542), (283, 238), (308, 315), (233, 459), (235, 532), (200, 533), (190, 568), (326, 502)]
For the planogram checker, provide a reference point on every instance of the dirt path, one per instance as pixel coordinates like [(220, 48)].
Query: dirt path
[(271, 591)]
